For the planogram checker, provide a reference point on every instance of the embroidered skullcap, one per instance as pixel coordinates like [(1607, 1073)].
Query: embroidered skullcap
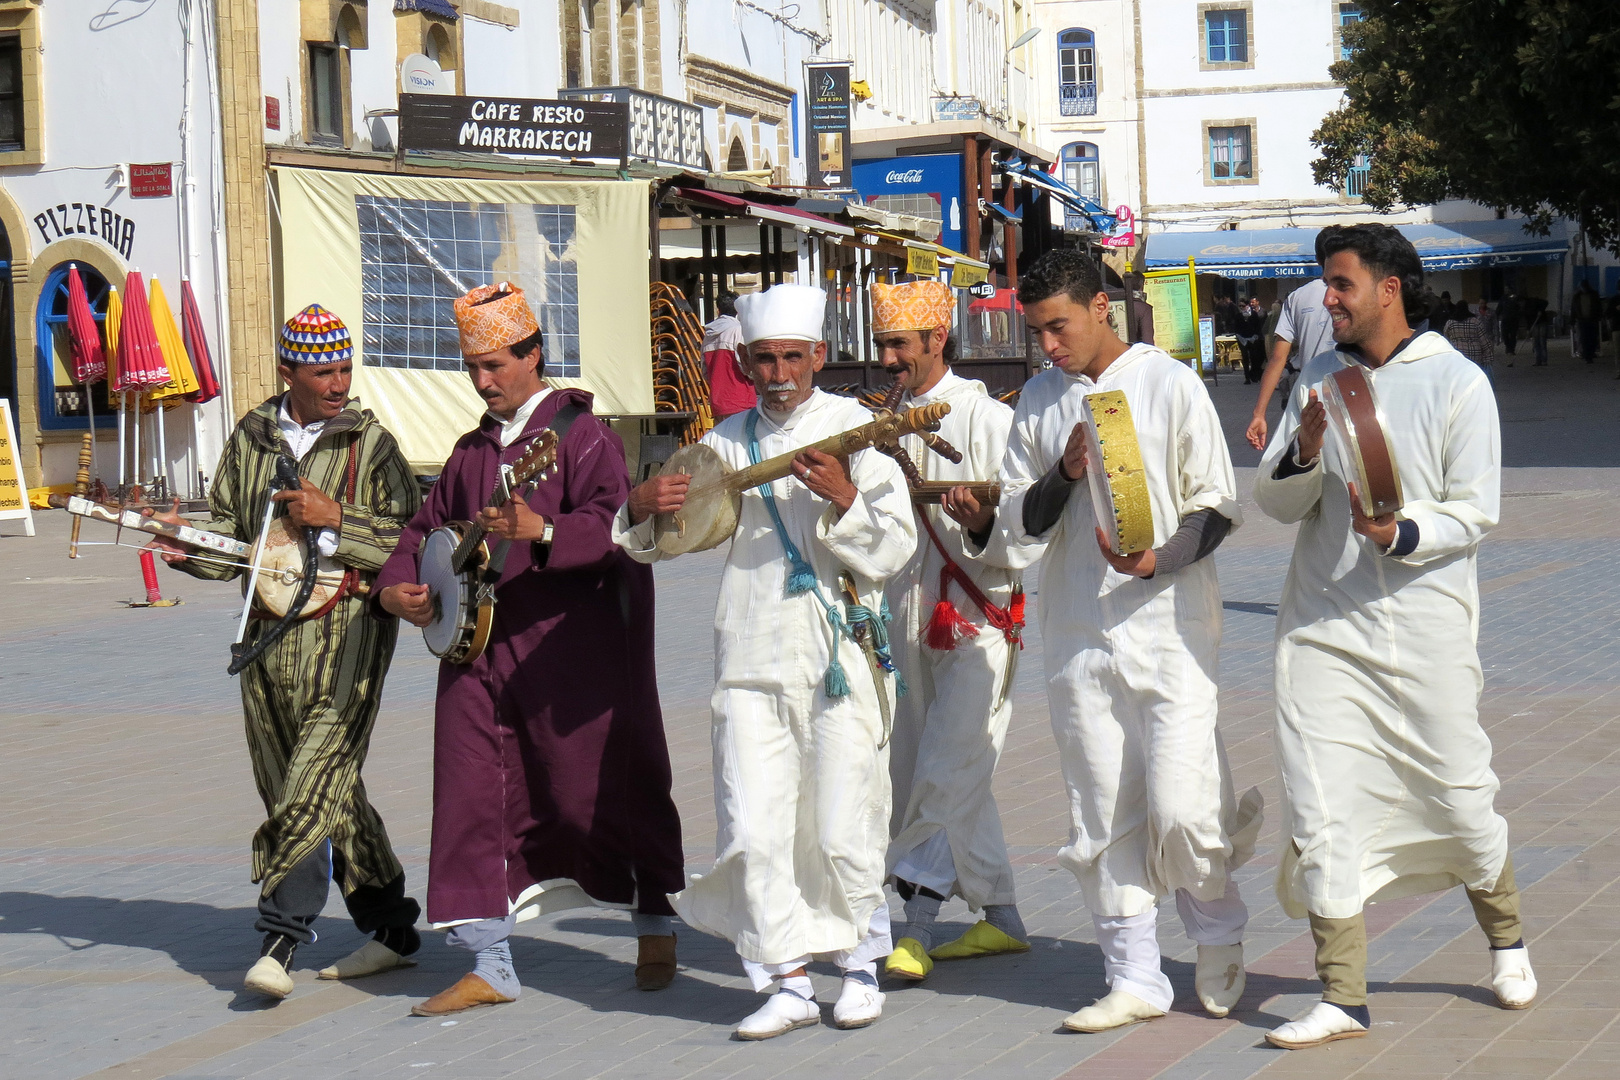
[(494, 317), (788, 312), (314, 336), (915, 305)]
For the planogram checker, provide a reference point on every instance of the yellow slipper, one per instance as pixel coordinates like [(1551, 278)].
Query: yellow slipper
[(982, 939), (909, 961)]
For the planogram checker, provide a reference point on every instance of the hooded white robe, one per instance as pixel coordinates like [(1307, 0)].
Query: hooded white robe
[(1131, 663), (801, 780), (1387, 779), (950, 726)]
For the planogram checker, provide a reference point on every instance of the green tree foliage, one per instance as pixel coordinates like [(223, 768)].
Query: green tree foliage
[(1514, 104)]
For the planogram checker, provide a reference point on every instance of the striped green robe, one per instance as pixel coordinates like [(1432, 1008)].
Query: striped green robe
[(311, 700)]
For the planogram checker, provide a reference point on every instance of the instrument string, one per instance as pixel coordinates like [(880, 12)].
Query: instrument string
[(197, 555)]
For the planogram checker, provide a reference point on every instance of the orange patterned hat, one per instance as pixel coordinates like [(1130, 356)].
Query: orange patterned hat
[(916, 305), (492, 317)]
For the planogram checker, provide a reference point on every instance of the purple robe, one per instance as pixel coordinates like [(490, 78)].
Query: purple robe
[(549, 757)]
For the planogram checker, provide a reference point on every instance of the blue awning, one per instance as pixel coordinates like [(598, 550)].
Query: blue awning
[(1257, 253)]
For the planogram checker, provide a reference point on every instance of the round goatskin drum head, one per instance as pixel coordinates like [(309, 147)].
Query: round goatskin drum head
[(710, 515), (444, 588), (281, 562), (1363, 441)]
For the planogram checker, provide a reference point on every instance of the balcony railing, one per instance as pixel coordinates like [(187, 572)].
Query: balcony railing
[(1355, 182), (1077, 99)]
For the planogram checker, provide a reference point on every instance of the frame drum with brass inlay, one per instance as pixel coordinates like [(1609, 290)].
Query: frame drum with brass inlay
[(1114, 473)]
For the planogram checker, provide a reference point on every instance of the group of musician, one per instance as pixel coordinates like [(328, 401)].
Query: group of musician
[(865, 649)]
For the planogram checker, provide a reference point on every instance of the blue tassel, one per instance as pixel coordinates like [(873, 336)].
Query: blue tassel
[(900, 687), (836, 682), (801, 578)]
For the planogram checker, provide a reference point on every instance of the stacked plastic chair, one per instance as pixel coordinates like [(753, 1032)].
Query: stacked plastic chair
[(677, 345)]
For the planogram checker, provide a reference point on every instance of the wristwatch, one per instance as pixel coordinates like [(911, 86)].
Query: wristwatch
[(545, 534)]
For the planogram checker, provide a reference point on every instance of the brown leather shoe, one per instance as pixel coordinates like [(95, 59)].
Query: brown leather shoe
[(470, 992), (655, 961)]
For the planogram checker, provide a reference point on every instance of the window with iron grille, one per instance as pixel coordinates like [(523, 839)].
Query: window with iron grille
[(1226, 36), (1230, 153), (11, 93), (1348, 15), (1077, 73)]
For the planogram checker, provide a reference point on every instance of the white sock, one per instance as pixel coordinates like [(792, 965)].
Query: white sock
[(796, 984)]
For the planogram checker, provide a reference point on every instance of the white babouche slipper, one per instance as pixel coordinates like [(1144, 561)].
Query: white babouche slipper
[(782, 1012), (269, 978), (859, 1004), (1116, 1010), (1512, 979), (372, 958), (1220, 977), (1325, 1023)]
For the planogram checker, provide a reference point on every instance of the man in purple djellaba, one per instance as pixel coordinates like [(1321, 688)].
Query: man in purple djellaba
[(551, 776)]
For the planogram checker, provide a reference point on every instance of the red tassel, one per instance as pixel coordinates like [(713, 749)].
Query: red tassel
[(1016, 608), (947, 627)]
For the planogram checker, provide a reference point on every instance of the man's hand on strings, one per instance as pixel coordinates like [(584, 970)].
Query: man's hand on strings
[(827, 476), (514, 521), (663, 494), (966, 510), (409, 602), (1140, 564), (173, 551), (311, 508), (1381, 530), (1073, 463)]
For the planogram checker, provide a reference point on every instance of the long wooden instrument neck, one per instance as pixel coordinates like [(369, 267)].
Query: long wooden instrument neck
[(885, 429)]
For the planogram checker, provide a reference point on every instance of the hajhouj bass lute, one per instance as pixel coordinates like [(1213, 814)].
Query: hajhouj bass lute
[(461, 572), (714, 499)]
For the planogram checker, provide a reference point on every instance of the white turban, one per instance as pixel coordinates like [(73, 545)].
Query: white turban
[(792, 312)]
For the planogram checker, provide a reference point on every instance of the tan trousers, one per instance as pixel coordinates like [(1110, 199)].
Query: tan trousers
[(1341, 944)]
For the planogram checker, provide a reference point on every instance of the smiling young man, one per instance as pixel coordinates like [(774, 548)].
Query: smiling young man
[(1387, 781), (551, 776), (1131, 646), (801, 778), (312, 698), (956, 640)]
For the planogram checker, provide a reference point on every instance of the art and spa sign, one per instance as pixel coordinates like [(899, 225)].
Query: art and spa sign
[(526, 127)]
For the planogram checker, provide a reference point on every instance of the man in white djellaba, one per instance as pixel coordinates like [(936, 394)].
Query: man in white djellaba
[(1387, 781), (957, 631), (800, 710), (1131, 647)]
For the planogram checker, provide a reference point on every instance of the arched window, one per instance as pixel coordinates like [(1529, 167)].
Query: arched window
[(61, 400), (737, 158), (1082, 170), (1077, 73)]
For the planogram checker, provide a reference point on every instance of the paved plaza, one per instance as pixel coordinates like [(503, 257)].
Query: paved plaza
[(126, 806)]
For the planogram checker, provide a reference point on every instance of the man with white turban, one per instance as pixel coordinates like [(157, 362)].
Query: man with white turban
[(800, 707), (1131, 644), (956, 632)]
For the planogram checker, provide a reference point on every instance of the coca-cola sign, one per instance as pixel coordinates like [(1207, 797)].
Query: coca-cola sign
[(903, 176)]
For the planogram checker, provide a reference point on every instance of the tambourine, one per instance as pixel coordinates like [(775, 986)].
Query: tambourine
[(1119, 493), (1358, 423)]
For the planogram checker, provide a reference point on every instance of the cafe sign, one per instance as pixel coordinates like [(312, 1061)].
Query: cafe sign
[(520, 127)]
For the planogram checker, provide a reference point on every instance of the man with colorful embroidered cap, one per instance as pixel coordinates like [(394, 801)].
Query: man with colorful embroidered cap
[(1131, 646), (956, 639), (312, 697), (800, 708), (551, 776)]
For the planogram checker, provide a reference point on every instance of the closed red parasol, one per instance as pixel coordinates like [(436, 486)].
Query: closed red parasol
[(191, 325), (140, 360), (84, 337)]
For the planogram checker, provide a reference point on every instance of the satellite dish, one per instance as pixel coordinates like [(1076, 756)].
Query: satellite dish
[(420, 75)]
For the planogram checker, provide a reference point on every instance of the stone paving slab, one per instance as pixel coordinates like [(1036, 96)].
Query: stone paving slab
[(126, 804)]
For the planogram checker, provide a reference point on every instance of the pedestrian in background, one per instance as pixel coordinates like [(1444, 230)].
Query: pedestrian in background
[(1249, 323), (1304, 330), (1538, 322), (1470, 334), (1507, 318), (731, 389), (1585, 311)]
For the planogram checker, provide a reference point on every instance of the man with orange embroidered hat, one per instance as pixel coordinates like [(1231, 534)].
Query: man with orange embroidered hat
[(551, 776), (956, 639)]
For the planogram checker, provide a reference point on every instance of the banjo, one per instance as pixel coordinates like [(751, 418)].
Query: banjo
[(714, 499), (1358, 422), (456, 564)]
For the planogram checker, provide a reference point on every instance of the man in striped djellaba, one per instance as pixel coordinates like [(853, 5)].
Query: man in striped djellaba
[(311, 695)]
